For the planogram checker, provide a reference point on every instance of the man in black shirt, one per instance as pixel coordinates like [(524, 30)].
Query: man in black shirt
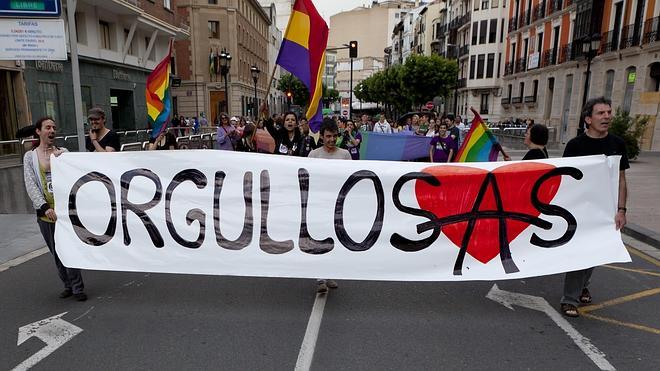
[(101, 139), (596, 140)]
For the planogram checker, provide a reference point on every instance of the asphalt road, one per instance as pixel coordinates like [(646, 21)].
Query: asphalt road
[(141, 321)]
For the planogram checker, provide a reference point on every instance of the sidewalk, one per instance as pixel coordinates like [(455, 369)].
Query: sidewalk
[(20, 233)]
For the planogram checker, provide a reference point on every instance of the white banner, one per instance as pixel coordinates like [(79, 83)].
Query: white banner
[(244, 214)]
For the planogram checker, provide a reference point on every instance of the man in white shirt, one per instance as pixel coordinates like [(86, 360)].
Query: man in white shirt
[(329, 132), (382, 126)]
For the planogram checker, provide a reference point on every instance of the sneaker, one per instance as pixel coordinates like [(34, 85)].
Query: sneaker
[(65, 294), (322, 288), (81, 296), (331, 284)]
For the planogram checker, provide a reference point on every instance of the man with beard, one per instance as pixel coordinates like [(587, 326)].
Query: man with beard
[(101, 139), (38, 184)]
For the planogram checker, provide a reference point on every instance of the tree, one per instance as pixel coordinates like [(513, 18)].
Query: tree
[(425, 77), (630, 129), (288, 82), (330, 95)]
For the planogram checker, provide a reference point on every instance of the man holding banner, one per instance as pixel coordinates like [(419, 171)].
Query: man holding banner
[(596, 140)]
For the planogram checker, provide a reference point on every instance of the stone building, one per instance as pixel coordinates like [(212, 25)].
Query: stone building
[(240, 28), (547, 55)]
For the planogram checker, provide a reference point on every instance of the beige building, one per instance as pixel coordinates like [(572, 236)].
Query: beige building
[(241, 28)]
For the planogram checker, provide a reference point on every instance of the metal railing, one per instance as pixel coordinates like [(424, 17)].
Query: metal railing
[(630, 36), (609, 42), (651, 30), (461, 83), (513, 24), (523, 20), (508, 68), (549, 57), (539, 11), (554, 6), (530, 99), (521, 65), (506, 101), (464, 50)]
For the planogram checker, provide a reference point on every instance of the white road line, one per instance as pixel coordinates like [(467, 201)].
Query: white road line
[(306, 354), (23, 259)]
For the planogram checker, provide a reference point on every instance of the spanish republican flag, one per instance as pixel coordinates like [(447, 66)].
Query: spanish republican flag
[(302, 53), (159, 100)]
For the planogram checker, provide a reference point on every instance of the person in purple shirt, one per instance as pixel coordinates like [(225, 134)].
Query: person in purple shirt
[(227, 134), (442, 145)]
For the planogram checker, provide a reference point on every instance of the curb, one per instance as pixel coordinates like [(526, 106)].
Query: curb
[(642, 234)]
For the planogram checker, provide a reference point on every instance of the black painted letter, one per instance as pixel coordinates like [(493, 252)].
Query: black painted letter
[(139, 210), (199, 179), (248, 222), (83, 234)]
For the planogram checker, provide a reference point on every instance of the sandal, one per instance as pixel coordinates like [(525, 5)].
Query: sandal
[(570, 310), (585, 297)]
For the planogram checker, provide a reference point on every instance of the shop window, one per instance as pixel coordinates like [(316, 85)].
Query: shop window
[(51, 100)]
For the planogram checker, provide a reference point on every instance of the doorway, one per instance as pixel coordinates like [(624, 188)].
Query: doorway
[(217, 105), (123, 110)]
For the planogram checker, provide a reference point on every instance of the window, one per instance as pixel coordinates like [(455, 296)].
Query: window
[(484, 4), (213, 29), (104, 34), (81, 32), (213, 2), (472, 67), (490, 64), (483, 108), (49, 96), (475, 31), (167, 4), (492, 34), (535, 89), (609, 84), (502, 31), (495, 3), (509, 90), (631, 77), (480, 66), (522, 90), (476, 4), (539, 43), (173, 65), (86, 94), (483, 28)]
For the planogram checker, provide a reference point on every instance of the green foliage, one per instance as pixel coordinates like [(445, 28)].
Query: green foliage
[(417, 81), (288, 82), (630, 129), (425, 77), (330, 95)]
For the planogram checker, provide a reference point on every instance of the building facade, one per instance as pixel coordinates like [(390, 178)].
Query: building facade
[(547, 48), (119, 44), (238, 27)]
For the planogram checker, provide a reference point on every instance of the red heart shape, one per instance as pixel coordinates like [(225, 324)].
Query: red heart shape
[(457, 193)]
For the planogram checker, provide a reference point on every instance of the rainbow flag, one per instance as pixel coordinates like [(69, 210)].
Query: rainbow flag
[(159, 100), (479, 145), (302, 53)]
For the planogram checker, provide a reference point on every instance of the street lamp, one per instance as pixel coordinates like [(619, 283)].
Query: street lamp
[(225, 65), (590, 46), (254, 70)]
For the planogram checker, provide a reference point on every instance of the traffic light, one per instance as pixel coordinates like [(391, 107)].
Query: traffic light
[(352, 49)]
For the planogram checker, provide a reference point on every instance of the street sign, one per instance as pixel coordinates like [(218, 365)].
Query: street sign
[(30, 8), (32, 39), (429, 105)]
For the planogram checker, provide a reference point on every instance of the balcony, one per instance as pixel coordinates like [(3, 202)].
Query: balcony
[(461, 21), (554, 6), (524, 20), (567, 53), (513, 24), (508, 68), (530, 99), (630, 36), (461, 83), (539, 11), (506, 101), (516, 100), (549, 58), (651, 30), (521, 65), (464, 50)]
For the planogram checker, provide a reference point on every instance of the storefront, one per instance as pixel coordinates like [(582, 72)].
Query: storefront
[(118, 89)]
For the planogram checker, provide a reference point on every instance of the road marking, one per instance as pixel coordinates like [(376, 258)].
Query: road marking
[(640, 254), (622, 323), (621, 300), (82, 315), (508, 299), (22, 259), (306, 353), (54, 331), (641, 271)]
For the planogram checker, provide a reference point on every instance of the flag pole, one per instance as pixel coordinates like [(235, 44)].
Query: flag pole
[(270, 83)]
